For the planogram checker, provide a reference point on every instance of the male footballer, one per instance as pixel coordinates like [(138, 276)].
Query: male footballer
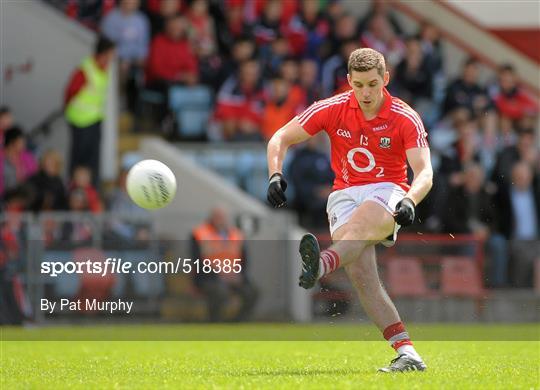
[(373, 135)]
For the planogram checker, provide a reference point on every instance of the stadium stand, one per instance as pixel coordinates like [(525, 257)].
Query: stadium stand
[(241, 67)]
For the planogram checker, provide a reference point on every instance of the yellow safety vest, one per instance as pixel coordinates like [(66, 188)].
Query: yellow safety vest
[(88, 105)]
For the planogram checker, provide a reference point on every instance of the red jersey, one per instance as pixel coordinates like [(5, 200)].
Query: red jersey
[(365, 152)]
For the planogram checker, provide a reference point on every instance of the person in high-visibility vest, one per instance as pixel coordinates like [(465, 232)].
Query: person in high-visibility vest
[(217, 244), (84, 107)]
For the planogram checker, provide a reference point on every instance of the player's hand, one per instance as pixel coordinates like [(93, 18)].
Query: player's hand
[(404, 214), (276, 190)]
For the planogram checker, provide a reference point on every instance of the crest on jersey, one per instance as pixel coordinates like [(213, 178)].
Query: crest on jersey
[(385, 142)]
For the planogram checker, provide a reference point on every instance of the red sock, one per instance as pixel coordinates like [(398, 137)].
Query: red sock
[(396, 335), (329, 262)]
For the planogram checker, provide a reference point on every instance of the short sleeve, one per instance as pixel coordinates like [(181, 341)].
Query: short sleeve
[(315, 117), (413, 131)]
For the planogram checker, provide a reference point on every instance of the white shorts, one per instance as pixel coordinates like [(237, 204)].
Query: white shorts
[(342, 203)]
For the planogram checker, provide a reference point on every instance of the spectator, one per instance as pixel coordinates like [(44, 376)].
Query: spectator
[(171, 58), (171, 61), (273, 56), (334, 70), (233, 27), (49, 192), (243, 50), (82, 180), (16, 163), (84, 103), (454, 156), (270, 25), (312, 178), (413, 77), (77, 231), (88, 12), (470, 207), (381, 8), (466, 91), (128, 28), (217, 239), (465, 150), (131, 223), (309, 80), (6, 121), (290, 70), (491, 140), (205, 44), (334, 10), (159, 11), (344, 29), (519, 213), (510, 99), (507, 133), (280, 107), (471, 210), (525, 149), (381, 37), (203, 28), (240, 104), (253, 10), (307, 31), (12, 298), (429, 36)]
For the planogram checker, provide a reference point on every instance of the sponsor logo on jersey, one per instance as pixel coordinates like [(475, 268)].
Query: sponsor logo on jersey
[(385, 142), (380, 128), (344, 133), (333, 219)]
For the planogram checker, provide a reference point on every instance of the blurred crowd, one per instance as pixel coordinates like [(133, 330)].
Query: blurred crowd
[(264, 61)]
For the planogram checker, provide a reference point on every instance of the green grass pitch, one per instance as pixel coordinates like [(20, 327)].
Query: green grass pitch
[(292, 359)]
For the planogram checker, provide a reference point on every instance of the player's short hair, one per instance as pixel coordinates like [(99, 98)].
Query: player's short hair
[(363, 60)]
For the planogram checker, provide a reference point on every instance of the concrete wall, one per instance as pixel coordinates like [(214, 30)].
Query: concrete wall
[(501, 14)]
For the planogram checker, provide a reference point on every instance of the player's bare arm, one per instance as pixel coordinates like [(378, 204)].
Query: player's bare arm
[(420, 162), (290, 134)]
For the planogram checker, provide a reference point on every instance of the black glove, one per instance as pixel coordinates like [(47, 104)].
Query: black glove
[(276, 190), (404, 214)]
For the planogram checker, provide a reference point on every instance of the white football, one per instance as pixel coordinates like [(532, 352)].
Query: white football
[(151, 184)]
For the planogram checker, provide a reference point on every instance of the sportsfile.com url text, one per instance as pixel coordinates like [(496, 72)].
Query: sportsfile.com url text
[(113, 265)]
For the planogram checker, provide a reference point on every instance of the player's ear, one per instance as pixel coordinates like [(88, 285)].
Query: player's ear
[(386, 78), (349, 79)]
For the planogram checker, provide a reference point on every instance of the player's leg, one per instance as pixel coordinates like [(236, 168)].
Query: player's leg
[(381, 310), (373, 297), (370, 223)]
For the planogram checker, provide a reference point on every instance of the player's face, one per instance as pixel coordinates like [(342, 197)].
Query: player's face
[(368, 88)]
